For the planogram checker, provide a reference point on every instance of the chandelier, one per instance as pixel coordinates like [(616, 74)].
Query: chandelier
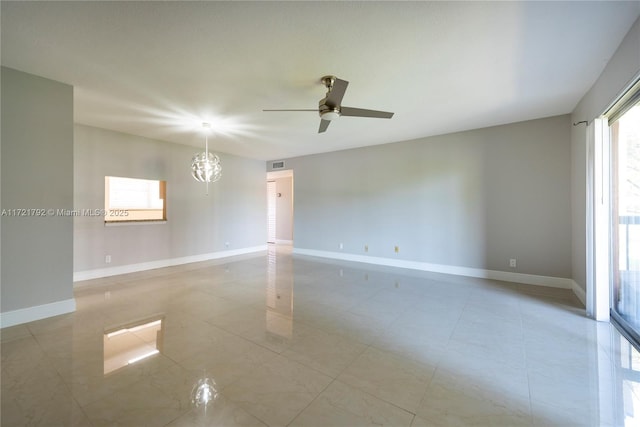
[(205, 166)]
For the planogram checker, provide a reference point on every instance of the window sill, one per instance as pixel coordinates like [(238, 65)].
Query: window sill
[(142, 222)]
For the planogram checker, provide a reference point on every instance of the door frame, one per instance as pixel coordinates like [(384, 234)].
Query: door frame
[(272, 176)]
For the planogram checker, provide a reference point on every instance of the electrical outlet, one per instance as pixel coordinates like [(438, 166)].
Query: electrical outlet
[(226, 244), (512, 263), (366, 248), (341, 246), (107, 259), (397, 249)]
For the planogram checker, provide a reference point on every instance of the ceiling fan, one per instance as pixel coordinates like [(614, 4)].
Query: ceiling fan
[(330, 109)]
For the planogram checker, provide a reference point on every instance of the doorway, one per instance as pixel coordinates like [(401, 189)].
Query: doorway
[(280, 207)]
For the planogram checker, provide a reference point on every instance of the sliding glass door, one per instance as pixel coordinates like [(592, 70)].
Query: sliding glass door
[(625, 217)]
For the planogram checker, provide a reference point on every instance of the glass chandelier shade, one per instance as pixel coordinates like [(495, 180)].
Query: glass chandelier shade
[(206, 167)]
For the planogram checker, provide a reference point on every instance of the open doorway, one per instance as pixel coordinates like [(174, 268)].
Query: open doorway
[(280, 207)]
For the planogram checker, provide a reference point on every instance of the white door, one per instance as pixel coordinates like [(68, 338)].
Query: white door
[(271, 211)]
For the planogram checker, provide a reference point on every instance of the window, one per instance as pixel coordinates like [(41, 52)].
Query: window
[(130, 199), (624, 123)]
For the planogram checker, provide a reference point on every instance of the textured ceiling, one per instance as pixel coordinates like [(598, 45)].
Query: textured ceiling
[(159, 69)]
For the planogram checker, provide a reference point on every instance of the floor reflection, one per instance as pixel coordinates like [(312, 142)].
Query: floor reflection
[(279, 298), (204, 392), (626, 382), (128, 344)]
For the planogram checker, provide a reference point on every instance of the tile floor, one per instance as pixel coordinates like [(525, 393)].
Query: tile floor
[(297, 341)]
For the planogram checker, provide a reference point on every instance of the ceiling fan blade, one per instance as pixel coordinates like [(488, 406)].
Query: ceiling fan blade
[(315, 109), (361, 112), (324, 124), (337, 92)]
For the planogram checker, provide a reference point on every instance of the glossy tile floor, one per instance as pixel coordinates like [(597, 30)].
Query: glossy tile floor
[(278, 339)]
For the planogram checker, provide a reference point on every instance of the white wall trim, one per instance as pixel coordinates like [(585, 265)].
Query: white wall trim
[(528, 279), (580, 293), (133, 268), (30, 314)]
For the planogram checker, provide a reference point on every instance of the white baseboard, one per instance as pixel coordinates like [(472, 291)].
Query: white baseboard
[(133, 268), (29, 314), (529, 279), (284, 242), (579, 292)]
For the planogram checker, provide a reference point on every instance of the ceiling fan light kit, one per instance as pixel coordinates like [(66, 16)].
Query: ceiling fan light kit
[(330, 108), (330, 114)]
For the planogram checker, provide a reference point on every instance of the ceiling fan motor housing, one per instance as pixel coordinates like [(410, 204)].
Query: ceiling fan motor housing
[(325, 109)]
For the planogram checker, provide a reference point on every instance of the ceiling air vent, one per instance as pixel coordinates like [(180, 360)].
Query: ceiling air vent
[(277, 165)]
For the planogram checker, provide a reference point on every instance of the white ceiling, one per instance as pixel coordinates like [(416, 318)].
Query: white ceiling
[(159, 69)]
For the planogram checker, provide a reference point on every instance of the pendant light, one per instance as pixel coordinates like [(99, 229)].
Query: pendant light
[(205, 166)]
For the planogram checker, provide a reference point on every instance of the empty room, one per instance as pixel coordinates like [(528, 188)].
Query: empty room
[(318, 213)]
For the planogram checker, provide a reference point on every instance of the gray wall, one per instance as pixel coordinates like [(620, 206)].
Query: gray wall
[(471, 199), (621, 70), (197, 224), (37, 172), (579, 205)]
